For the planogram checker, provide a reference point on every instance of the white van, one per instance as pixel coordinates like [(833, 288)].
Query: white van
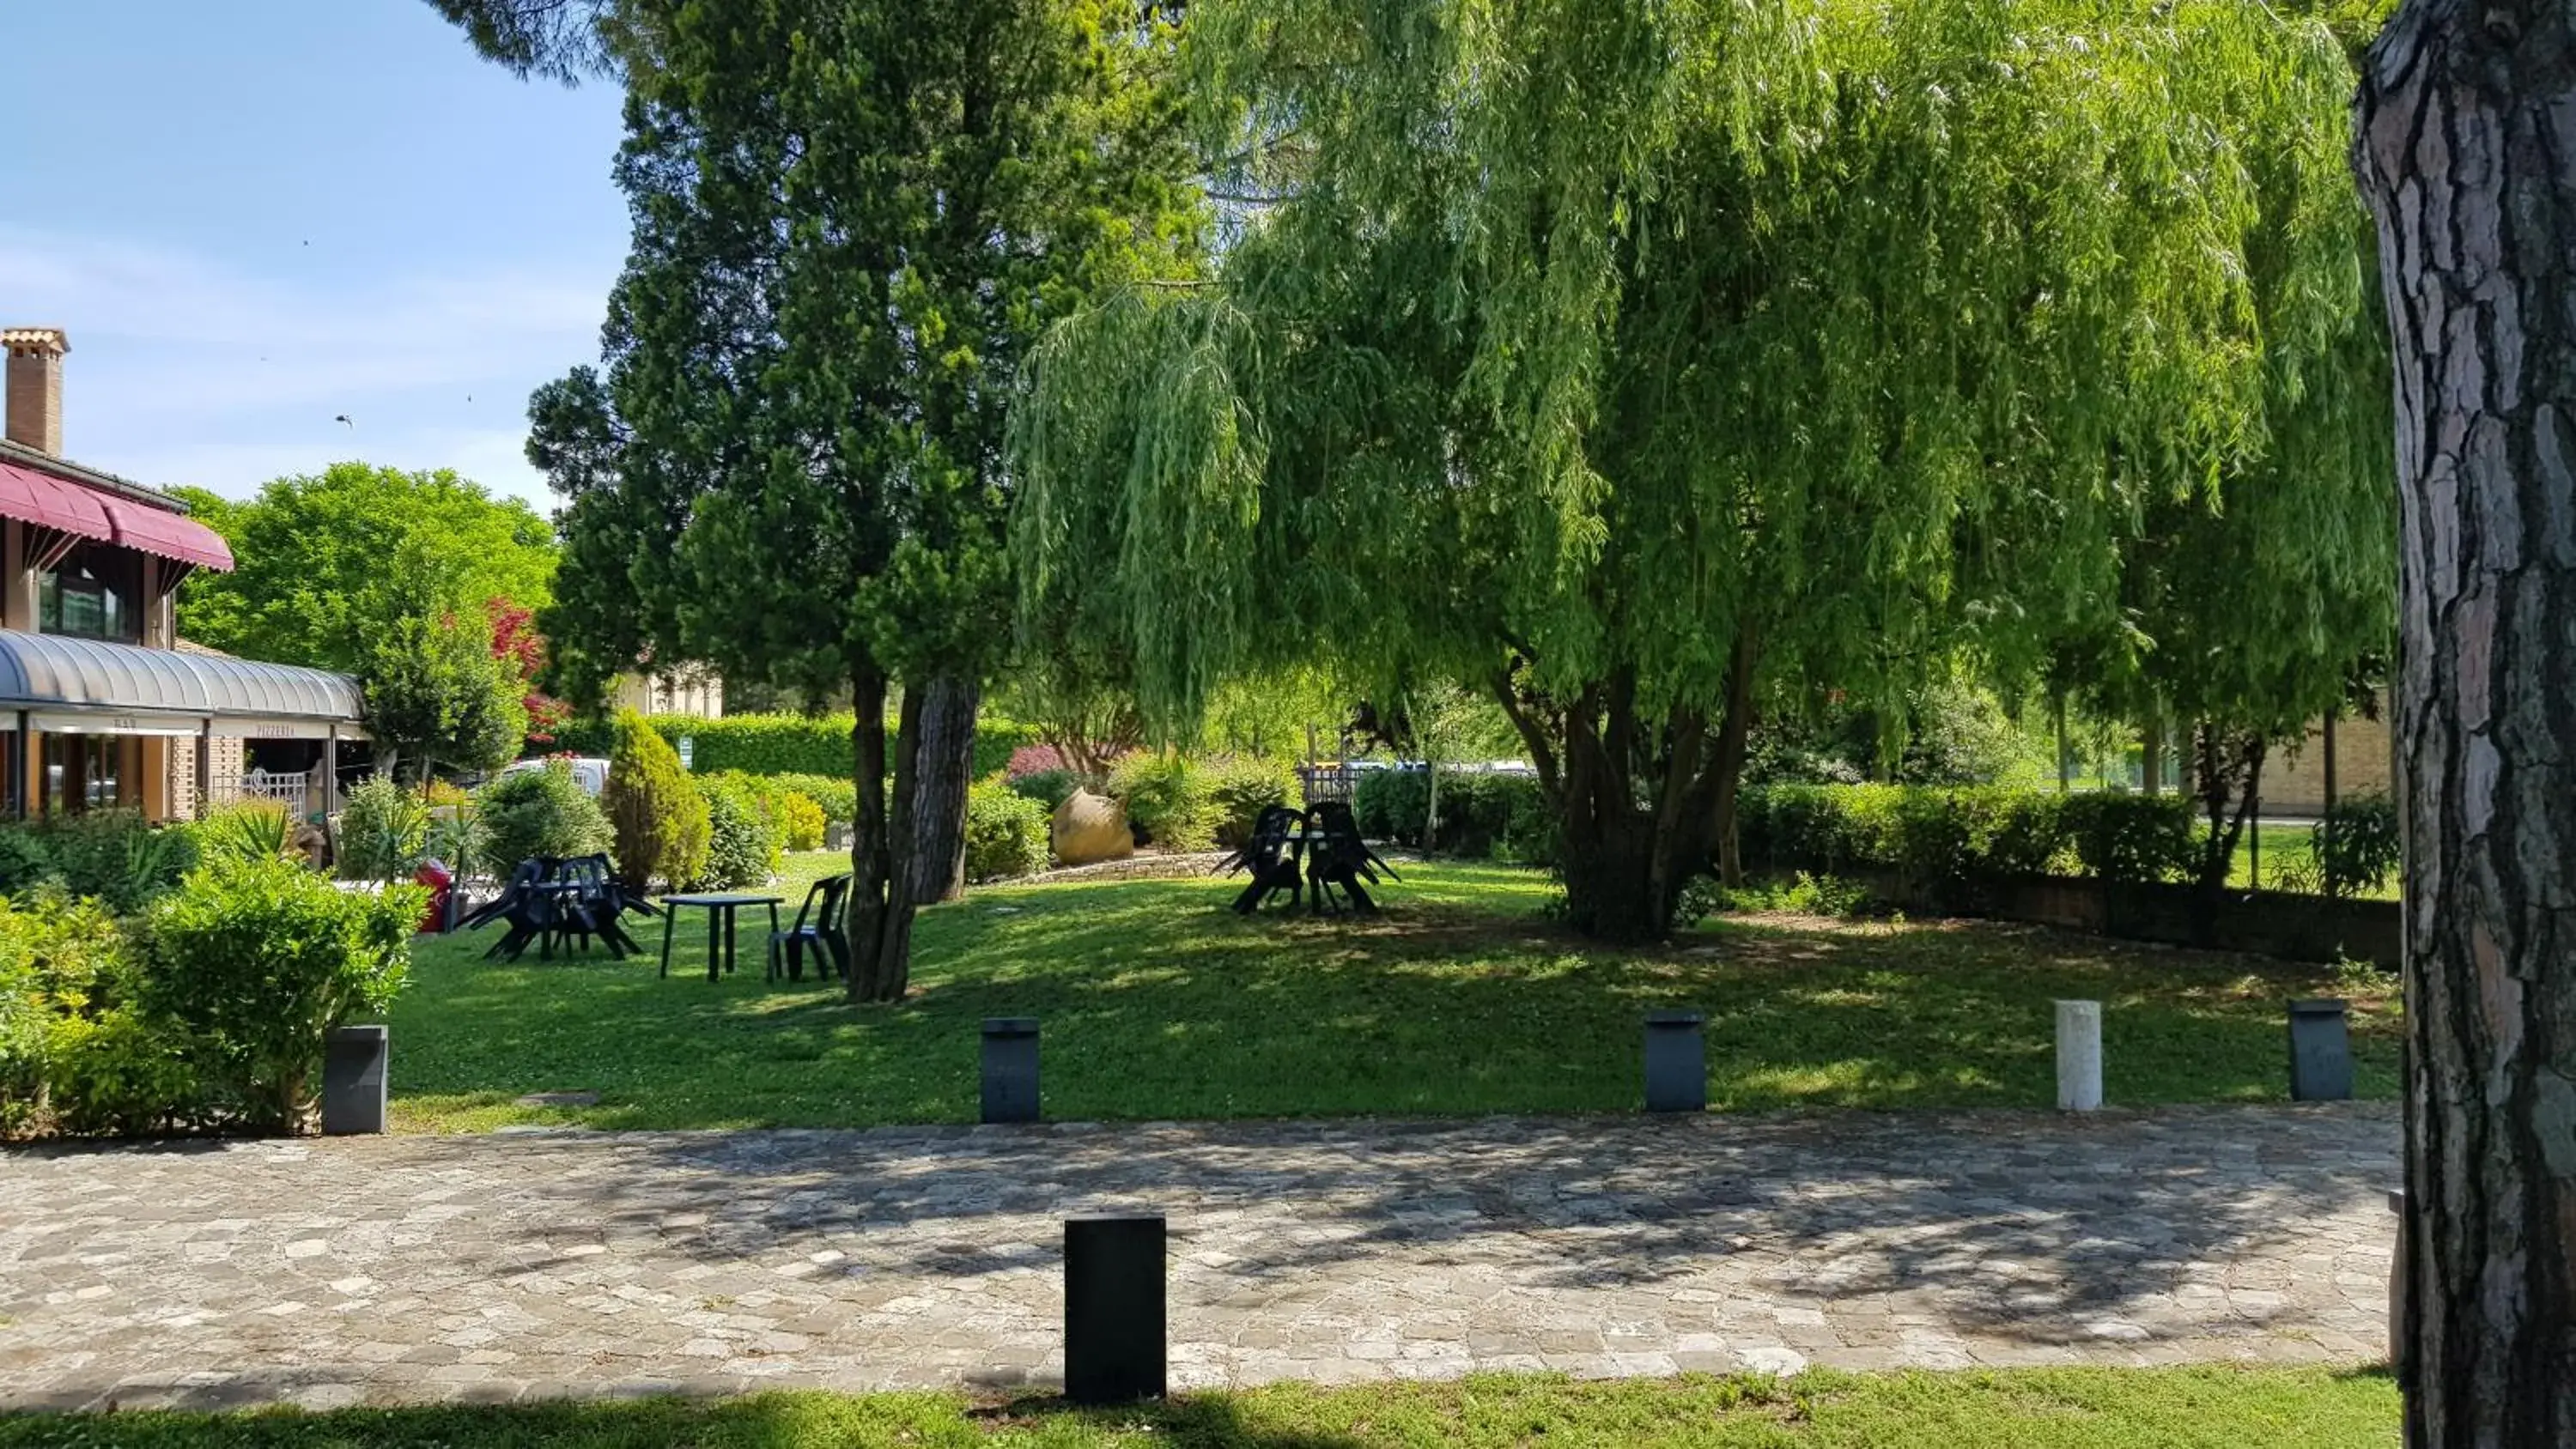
[(592, 773)]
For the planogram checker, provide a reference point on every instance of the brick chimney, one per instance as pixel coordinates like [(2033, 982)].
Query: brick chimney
[(36, 386)]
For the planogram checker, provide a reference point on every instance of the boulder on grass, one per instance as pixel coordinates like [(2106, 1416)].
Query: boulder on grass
[(1091, 828)]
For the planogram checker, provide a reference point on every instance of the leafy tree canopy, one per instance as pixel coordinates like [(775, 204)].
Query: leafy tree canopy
[(326, 563), (1619, 357), (852, 220)]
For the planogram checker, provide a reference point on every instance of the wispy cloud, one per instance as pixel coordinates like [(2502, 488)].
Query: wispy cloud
[(188, 370)]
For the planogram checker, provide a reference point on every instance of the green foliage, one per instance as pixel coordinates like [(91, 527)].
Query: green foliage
[(660, 821), (114, 856), (1482, 814), (125, 1072), (1006, 832), (1613, 355), (800, 821), (437, 696), (1240, 787), (742, 843), (62, 961), (325, 564), (250, 830), (784, 744), (1167, 797), (457, 840), (1049, 788), (1952, 842), (2353, 851), (384, 831), (256, 960), (2123, 837), (531, 813)]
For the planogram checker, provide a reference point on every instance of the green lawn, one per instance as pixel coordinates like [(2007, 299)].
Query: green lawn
[(2196, 1408), (1461, 999)]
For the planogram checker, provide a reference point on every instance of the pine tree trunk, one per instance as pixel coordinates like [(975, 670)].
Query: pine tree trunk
[(2466, 149), (946, 766)]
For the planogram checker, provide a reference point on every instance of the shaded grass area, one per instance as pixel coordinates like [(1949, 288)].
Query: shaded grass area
[(2029, 1409), (1461, 999)]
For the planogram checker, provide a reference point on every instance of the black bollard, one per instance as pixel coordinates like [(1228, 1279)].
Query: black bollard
[(1113, 1309), (1676, 1062), (1010, 1069), (353, 1080), (2320, 1052)]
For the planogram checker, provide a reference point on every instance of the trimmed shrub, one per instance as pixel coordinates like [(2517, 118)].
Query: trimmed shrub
[(2132, 839), (256, 960), (531, 813), (1006, 831), (1049, 788), (654, 810), (800, 821), (382, 832), (25, 861), (1167, 800), (1240, 787), (742, 846), (1483, 813), (785, 744), (114, 856), (1952, 842)]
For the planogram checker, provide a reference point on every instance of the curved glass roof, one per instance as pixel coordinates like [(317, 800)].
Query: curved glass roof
[(39, 671)]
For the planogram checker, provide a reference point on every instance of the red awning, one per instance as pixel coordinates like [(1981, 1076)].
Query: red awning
[(168, 535), (49, 502)]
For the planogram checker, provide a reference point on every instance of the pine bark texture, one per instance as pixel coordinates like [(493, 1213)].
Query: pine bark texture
[(946, 768), (2466, 149)]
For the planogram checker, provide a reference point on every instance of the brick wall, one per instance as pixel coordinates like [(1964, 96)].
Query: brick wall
[(2294, 781)]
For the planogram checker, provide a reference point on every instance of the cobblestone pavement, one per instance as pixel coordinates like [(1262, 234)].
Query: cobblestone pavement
[(394, 1269)]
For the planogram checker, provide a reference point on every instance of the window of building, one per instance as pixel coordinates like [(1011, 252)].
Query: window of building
[(95, 593), (83, 772)]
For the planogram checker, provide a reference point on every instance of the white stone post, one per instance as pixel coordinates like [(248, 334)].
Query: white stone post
[(2079, 1056)]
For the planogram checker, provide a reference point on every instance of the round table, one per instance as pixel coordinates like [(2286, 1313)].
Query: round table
[(720, 907)]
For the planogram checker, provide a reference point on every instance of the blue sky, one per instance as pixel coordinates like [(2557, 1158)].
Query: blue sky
[(254, 217)]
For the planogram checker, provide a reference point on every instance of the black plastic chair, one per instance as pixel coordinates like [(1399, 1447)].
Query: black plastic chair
[(822, 924), (1337, 859), (1270, 853)]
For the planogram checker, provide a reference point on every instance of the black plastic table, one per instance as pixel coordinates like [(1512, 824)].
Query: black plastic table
[(720, 908)]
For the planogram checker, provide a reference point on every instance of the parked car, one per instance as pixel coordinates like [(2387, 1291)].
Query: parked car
[(591, 772)]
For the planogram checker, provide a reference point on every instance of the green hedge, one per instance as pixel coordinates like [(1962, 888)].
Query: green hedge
[(209, 1014), (1949, 842), (1006, 832), (1482, 814), (786, 744)]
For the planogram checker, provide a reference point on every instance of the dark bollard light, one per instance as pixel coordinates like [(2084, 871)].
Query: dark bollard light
[(1010, 1069), (353, 1080), (1676, 1062), (1113, 1309), (2320, 1052)]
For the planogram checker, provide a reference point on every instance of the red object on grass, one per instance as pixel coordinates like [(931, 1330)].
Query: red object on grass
[(442, 885)]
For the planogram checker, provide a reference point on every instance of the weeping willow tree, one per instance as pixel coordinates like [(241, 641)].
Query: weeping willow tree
[(1620, 359)]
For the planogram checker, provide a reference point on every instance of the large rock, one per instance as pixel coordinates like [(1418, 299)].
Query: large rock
[(1092, 828)]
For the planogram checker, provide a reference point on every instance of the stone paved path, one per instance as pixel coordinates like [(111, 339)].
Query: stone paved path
[(399, 1268)]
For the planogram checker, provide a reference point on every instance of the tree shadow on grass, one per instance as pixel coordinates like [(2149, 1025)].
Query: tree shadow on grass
[(1157, 1003)]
